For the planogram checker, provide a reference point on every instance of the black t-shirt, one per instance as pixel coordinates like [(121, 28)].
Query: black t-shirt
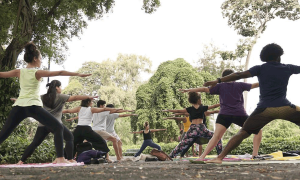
[(147, 136), (197, 113)]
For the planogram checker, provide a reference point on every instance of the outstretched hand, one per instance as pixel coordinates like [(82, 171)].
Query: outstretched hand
[(13, 99), (84, 75), (165, 110), (183, 90), (211, 83), (93, 97), (70, 119)]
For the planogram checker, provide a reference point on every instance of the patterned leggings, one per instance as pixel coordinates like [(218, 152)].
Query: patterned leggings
[(195, 131)]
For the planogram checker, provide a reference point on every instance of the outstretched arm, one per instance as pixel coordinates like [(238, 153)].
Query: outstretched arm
[(80, 97), (126, 115), (74, 110), (231, 77), (121, 111), (71, 119), (98, 110), (201, 89), (12, 73), (255, 85), (155, 130), (44, 73), (175, 111), (207, 113), (138, 132), (214, 106)]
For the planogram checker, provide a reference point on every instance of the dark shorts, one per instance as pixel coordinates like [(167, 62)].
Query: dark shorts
[(262, 116), (226, 120)]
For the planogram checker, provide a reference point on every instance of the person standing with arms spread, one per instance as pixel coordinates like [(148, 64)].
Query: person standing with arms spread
[(29, 103)]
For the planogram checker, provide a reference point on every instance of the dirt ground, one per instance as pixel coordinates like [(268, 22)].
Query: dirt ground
[(156, 170)]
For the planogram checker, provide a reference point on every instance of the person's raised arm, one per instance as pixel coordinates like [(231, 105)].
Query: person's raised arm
[(127, 115), (255, 85), (9, 74), (155, 130), (45, 73), (178, 114), (175, 111), (214, 106), (200, 89), (80, 97), (71, 119), (207, 113), (138, 132), (121, 111), (98, 110), (74, 110), (231, 77)]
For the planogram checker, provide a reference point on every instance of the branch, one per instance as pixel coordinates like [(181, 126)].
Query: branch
[(51, 12)]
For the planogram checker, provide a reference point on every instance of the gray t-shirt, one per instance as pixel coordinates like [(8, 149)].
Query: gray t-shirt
[(110, 122), (99, 121), (59, 103)]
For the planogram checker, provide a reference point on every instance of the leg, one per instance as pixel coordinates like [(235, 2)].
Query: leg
[(120, 148), (98, 142), (200, 150), (68, 137), (16, 115), (115, 146), (256, 143), (219, 132), (154, 145), (52, 123), (143, 147), (78, 138), (40, 135)]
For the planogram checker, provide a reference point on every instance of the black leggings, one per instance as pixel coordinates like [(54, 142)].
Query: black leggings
[(86, 133), (41, 133), (18, 113)]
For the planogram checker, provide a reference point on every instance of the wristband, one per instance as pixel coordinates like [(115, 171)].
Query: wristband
[(219, 80)]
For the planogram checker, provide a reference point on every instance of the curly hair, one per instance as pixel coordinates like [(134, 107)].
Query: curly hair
[(226, 72), (271, 52), (31, 52), (194, 97)]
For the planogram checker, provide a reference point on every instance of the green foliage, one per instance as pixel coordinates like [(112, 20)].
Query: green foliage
[(115, 82), (161, 92)]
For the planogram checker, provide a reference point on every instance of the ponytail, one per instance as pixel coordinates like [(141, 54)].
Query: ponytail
[(49, 98)]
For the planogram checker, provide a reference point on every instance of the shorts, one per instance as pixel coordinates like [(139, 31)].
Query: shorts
[(114, 134), (226, 120), (262, 116), (105, 135)]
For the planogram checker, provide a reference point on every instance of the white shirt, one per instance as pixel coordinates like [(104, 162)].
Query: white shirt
[(110, 122), (85, 116), (99, 121)]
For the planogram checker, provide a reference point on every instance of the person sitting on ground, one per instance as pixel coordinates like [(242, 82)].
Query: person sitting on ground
[(273, 77)]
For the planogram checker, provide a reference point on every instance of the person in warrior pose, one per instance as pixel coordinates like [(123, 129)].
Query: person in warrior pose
[(53, 102), (29, 103), (83, 130), (110, 123), (273, 77), (232, 110), (197, 128), (147, 138), (187, 123)]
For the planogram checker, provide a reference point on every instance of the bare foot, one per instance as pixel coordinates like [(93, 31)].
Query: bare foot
[(60, 160), (20, 163), (216, 160), (72, 161), (109, 161)]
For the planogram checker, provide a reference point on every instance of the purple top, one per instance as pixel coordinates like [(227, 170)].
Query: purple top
[(231, 97)]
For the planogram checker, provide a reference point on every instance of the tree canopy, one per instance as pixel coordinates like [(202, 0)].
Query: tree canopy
[(161, 92)]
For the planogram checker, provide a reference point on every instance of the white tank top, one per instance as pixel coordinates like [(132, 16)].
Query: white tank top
[(85, 116)]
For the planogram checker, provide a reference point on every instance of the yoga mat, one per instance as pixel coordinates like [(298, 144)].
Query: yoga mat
[(40, 165), (261, 162)]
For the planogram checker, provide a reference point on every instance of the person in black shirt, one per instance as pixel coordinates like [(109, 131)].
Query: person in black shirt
[(147, 138), (197, 128)]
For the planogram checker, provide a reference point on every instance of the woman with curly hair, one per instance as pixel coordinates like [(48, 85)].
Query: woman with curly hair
[(197, 128), (273, 77)]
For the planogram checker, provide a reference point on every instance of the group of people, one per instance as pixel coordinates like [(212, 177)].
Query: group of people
[(96, 124)]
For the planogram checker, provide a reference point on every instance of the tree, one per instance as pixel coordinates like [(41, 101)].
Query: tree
[(115, 81), (249, 18), (161, 92), (211, 60)]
